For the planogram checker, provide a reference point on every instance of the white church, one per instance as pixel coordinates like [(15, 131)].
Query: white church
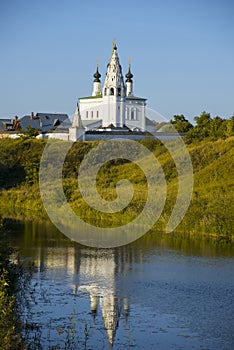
[(113, 110)]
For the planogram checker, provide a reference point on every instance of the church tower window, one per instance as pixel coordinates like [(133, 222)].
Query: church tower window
[(87, 114), (112, 91), (119, 91)]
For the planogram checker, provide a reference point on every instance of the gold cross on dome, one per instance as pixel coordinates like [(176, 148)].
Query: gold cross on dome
[(129, 61), (113, 44)]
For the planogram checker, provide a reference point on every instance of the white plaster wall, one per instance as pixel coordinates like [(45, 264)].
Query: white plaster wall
[(58, 135), (139, 113), (113, 111), (96, 88), (91, 105), (76, 134), (129, 88)]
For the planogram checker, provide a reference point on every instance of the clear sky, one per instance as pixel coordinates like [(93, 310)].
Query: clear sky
[(182, 53)]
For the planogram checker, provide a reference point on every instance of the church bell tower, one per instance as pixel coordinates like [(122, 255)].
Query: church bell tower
[(114, 93)]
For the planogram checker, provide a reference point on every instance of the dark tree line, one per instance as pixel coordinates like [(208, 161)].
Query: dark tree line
[(205, 126)]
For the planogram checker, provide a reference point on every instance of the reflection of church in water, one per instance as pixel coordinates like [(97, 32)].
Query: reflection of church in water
[(96, 271)]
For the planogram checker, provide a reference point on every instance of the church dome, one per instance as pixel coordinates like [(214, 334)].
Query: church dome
[(97, 76), (129, 76)]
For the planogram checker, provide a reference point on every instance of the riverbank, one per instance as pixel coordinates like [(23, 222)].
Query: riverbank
[(10, 337), (210, 211)]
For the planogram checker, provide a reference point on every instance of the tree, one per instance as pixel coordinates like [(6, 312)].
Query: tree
[(32, 132), (181, 124), (218, 128), (230, 127), (203, 122)]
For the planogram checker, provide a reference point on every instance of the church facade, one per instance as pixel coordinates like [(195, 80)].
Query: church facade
[(111, 111), (114, 105), (112, 108)]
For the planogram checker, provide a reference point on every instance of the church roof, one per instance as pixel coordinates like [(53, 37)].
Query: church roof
[(115, 128), (97, 76), (114, 76), (135, 98), (90, 122), (150, 122), (91, 97), (129, 76), (77, 122), (117, 132)]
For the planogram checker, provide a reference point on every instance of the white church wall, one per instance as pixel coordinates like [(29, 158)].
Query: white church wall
[(91, 108), (57, 135), (135, 115)]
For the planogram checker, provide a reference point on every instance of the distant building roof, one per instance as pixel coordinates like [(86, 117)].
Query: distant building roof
[(3, 123), (45, 121)]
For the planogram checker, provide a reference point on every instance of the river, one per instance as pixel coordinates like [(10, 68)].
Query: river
[(160, 292)]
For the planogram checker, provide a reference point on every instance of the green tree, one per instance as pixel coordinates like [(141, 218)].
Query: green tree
[(202, 128), (31, 168), (230, 127), (9, 339), (32, 132), (217, 128), (203, 123), (181, 123)]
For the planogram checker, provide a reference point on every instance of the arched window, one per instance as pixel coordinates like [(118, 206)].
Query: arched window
[(105, 91), (132, 114), (126, 113), (97, 114), (92, 114), (87, 114), (112, 92), (119, 91)]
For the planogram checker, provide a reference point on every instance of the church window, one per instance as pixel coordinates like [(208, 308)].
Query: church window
[(105, 92), (112, 91), (119, 91), (92, 114), (97, 114), (126, 113), (132, 114), (87, 114)]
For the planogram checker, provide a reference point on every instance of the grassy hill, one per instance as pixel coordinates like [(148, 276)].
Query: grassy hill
[(210, 212)]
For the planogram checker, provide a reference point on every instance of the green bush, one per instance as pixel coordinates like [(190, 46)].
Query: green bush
[(9, 336)]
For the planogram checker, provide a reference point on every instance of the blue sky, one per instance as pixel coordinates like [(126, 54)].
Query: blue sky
[(182, 53)]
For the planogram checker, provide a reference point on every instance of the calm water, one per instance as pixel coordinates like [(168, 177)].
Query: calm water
[(160, 292)]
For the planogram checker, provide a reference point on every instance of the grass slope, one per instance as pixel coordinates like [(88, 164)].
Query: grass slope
[(210, 212)]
